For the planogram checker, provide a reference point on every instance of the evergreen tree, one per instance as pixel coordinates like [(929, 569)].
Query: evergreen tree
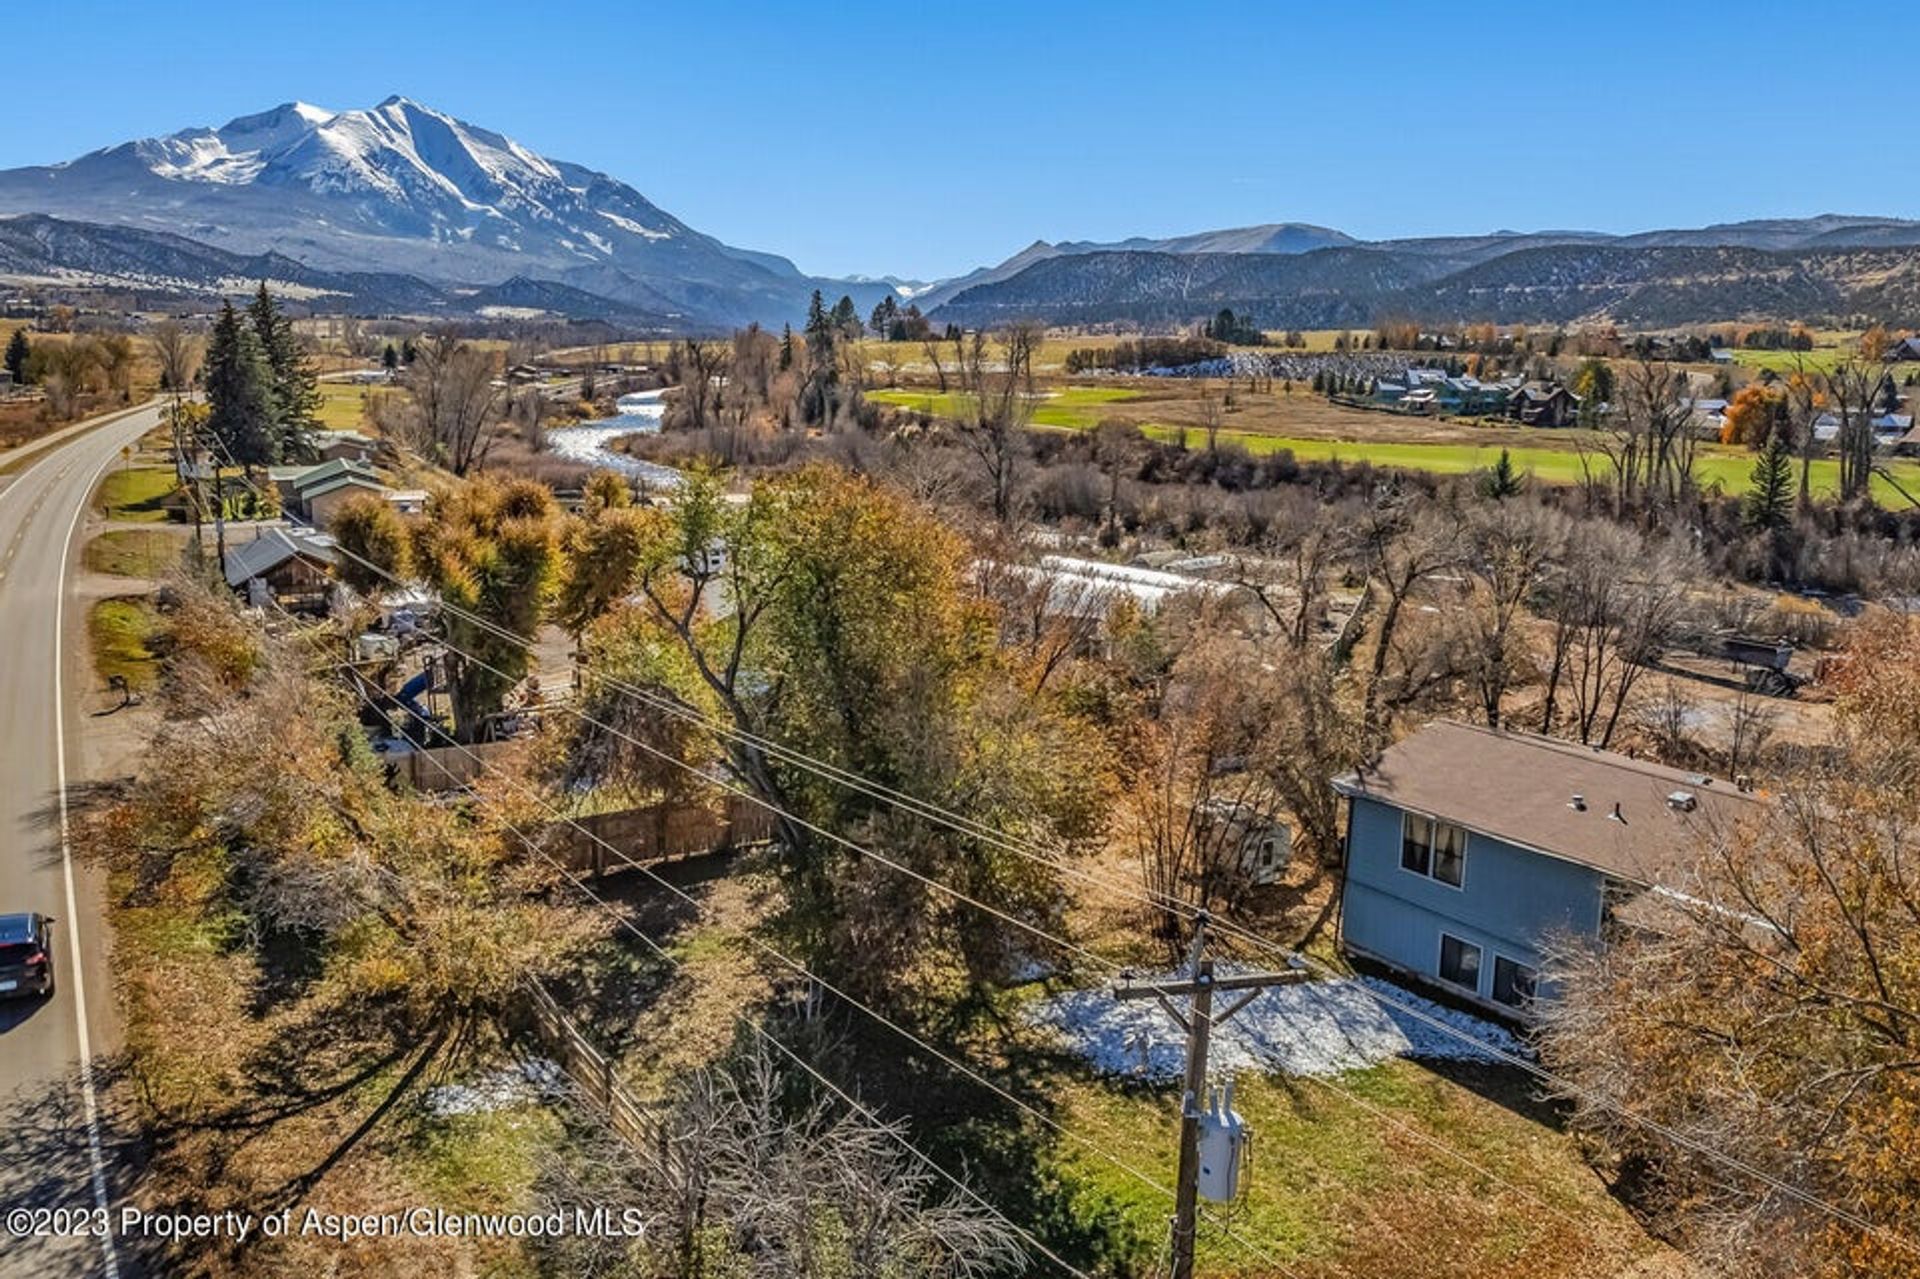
[(296, 392), (390, 359), (1769, 503), (786, 346), (16, 361), (885, 312), (1503, 480), (240, 393), (846, 320), (820, 393), (408, 351)]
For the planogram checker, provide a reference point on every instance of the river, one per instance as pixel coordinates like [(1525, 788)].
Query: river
[(639, 414)]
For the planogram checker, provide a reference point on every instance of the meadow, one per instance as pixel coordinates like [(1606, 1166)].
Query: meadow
[(1335, 433)]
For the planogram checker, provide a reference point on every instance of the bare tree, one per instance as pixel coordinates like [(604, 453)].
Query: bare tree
[(178, 354), (742, 1180), (1510, 547), (457, 399), (1403, 543), (1850, 386), (1288, 578), (931, 346), (997, 403), (1613, 601)]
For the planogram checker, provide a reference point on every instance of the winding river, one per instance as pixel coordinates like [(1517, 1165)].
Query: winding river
[(638, 414)]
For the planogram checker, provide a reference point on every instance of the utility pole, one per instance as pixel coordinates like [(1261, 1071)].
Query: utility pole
[(1198, 1021)]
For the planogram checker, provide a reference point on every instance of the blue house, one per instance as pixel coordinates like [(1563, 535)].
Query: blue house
[(1469, 848)]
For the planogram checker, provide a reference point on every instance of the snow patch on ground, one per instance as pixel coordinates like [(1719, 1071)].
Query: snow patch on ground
[(532, 1079), (1311, 1028)]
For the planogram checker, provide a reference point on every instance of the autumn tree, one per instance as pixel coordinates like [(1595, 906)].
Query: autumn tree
[(1767, 1011), (491, 550), (1756, 414), (850, 633), (375, 541), (259, 812)]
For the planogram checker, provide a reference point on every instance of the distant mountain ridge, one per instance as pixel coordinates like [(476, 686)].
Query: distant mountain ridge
[(163, 269), (401, 187), (1659, 285)]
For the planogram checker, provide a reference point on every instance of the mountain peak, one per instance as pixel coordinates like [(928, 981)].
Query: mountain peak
[(401, 186)]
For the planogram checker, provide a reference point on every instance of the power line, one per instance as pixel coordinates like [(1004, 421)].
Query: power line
[(879, 1017), (1188, 911), (742, 1019)]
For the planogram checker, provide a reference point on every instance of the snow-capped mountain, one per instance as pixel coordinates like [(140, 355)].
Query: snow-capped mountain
[(402, 187)]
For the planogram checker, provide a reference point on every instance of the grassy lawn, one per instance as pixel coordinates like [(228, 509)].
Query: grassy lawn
[(1083, 407), (1819, 360), (133, 553), (135, 493), (343, 406), (118, 630), (1072, 407), (1388, 1172)]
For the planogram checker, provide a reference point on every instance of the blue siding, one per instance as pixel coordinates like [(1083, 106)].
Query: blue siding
[(1509, 900)]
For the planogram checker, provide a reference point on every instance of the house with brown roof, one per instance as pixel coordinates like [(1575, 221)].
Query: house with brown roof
[(1469, 848)]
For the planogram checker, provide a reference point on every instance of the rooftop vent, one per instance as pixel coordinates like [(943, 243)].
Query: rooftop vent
[(1578, 803), (1682, 801), (1616, 815)]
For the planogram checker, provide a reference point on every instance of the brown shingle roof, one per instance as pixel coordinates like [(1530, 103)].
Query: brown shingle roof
[(1519, 787)]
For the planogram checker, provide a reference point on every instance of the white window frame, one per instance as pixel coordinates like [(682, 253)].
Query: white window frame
[(1434, 823), (1493, 982), (1440, 962)]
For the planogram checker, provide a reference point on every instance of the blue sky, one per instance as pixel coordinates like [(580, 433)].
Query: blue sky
[(924, 139)]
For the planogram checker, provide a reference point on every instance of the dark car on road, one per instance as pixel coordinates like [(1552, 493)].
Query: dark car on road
[(26, 955)]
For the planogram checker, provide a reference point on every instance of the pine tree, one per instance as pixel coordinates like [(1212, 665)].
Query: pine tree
[(846, 320), (296, 392), (390, 358), (240, 393), (16, 361), (1769, 503), (1503, 480), (786, 347)]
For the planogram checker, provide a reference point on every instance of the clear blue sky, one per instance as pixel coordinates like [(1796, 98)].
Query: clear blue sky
[(924, 138)]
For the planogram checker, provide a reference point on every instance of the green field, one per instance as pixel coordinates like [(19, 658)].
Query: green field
[(1819, 360), (1072, 407), (343, 405), (132, 552), (119, 630), (1079, 408), (135, 493), (1469, 1181)]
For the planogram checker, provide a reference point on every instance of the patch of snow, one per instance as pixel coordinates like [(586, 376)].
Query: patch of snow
[(628, 224), (533, 1079), (599, 242), (511, 312), (1310, 1028)]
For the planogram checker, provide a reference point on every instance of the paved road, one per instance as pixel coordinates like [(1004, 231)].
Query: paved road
[(50, 1148)]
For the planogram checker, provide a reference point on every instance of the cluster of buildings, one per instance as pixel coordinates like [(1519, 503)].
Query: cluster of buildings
[(1430, 391)]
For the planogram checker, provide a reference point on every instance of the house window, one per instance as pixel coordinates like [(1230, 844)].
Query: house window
[(1460, 962), (1432, 848), (1513, 982)]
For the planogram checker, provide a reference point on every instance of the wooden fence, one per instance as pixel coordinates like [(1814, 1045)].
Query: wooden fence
[(444, 768), (591, 1074), (603, 843)]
